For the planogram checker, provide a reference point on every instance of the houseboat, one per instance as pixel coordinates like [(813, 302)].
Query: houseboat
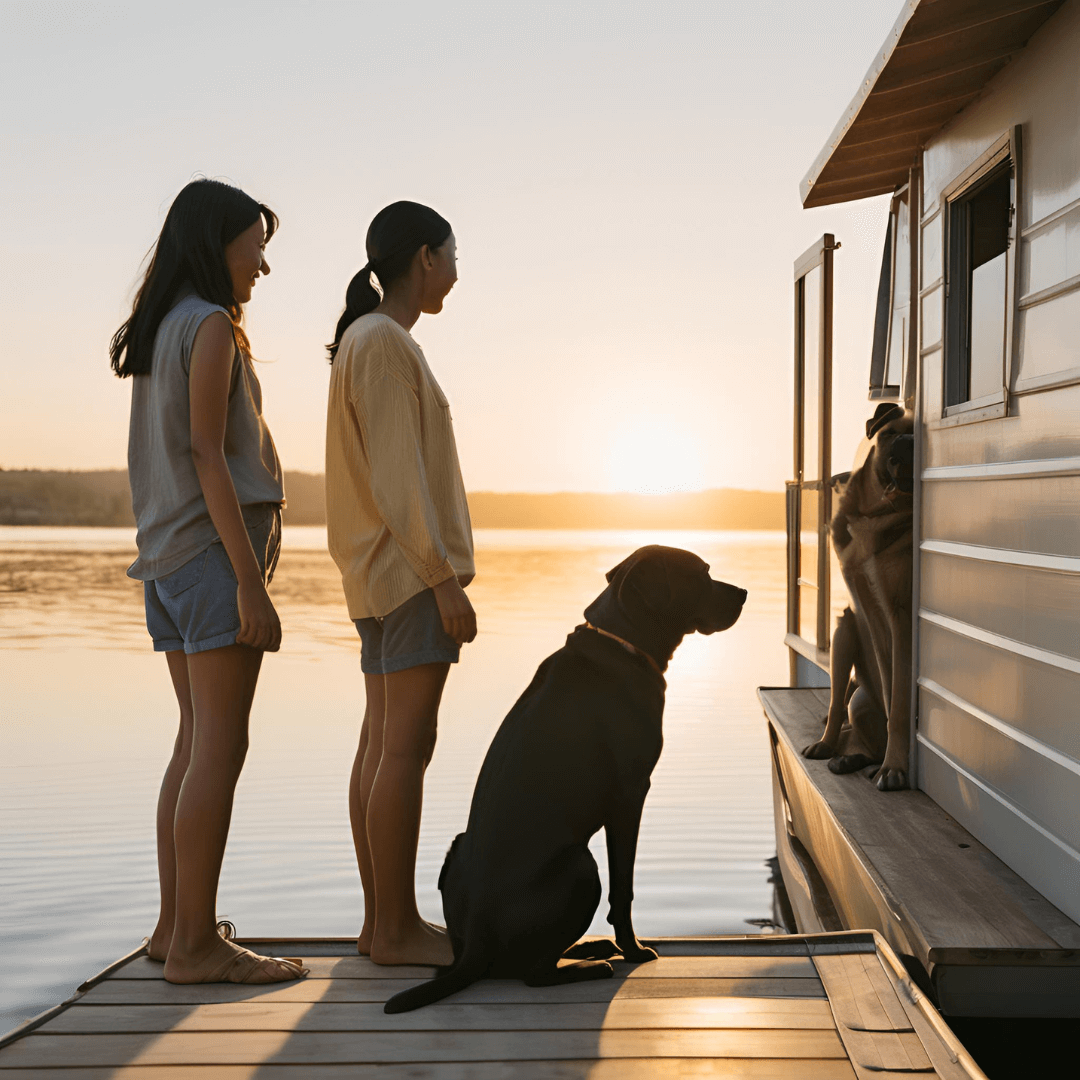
[(969, 117)]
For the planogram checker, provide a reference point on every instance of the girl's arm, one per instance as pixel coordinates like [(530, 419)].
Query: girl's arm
[(208, 387)]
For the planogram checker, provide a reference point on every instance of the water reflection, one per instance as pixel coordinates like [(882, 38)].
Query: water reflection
[(89, 720)]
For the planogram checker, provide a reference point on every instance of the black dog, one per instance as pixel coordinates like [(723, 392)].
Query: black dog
[(574, 755)]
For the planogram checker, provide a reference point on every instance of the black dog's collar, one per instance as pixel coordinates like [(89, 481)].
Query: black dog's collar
[(628, 646)]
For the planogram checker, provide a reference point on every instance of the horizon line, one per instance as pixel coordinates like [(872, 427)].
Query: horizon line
[(478, 491)]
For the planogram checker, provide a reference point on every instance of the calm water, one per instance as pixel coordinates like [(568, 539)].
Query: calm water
[(88, 720)]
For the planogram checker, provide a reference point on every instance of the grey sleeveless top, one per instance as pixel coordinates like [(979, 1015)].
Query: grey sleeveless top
[(174, 523)]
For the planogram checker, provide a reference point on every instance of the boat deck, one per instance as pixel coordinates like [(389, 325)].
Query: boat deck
[(819, 1007), (987, 943)]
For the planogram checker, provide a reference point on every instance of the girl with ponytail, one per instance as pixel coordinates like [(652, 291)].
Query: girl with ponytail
[(399, 530), (207, 495)]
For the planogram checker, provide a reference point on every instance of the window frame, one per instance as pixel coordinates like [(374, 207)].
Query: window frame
[(886, 325), (1002, 155), (817, 651)]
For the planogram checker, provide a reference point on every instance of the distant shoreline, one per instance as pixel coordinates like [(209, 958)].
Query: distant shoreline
[(102, 498)]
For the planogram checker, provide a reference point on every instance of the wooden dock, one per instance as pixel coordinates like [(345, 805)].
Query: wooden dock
[(815, 1007)]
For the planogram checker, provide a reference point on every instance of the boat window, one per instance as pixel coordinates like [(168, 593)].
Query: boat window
[(980, 228), (892, 319)]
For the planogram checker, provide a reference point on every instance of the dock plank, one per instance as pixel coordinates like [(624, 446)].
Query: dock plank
[(159, 992), (611, 1069), (666, 967), (632, 1014), (338, 1048), (949, 1058), (322, 967), (871, 1021)]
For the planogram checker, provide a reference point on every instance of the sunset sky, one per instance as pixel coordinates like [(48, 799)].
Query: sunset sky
[(622, 179)]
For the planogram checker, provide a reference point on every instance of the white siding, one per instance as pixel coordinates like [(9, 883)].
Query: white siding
[(999, 629)]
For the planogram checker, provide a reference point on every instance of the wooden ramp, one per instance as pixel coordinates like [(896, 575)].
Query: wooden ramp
[(816, 1007), (852, 856)]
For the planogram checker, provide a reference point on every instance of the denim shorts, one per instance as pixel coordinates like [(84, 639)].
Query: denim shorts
[(409, 636), (194, 608)]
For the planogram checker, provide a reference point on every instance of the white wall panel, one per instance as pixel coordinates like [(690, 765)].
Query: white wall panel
[(1037, 856), (1038, 699), (1045, 790), (1034, 606), (1036, 514)]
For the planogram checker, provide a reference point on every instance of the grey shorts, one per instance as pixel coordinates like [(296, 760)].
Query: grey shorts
[(194, 608), (409, 636)]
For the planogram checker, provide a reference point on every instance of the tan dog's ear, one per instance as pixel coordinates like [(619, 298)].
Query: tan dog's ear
[(884, 414)]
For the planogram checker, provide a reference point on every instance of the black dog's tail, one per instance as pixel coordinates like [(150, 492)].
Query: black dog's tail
[(472, 967)]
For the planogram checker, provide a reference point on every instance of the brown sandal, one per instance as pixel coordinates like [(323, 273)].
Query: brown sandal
[(245, 964)]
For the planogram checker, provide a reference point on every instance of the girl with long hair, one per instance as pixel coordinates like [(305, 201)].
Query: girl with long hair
[(399, 530), (207, 492)]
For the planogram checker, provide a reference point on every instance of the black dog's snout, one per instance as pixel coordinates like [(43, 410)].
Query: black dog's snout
[(723, 609)]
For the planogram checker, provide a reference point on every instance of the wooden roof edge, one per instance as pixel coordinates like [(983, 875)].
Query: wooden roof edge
[(851, 114), (898, 39)]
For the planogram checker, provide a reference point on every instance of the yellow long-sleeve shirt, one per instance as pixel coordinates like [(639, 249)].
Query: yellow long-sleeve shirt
[(396, 513)]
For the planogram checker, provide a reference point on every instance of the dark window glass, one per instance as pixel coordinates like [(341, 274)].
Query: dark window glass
[(976, 306)]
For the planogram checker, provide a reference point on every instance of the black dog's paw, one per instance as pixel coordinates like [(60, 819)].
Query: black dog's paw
[(595, 949), (818, 751), (641, 955), (633, 952)]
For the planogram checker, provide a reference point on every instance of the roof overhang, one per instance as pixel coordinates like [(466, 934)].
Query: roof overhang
[(936, 60)]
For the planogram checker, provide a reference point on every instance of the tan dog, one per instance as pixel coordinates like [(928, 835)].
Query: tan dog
[(869, 718)]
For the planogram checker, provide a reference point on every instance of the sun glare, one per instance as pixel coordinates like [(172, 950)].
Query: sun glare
[(655, 458)]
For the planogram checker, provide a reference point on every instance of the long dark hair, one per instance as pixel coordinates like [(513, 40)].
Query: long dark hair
[(395, 235), (204, 217)]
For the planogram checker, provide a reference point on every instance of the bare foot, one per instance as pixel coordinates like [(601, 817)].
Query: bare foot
[(363, 942), (226, 962), (420, 944), (157, 945)]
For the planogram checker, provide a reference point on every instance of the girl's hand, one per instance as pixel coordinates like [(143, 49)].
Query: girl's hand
[(260, 627), (458, 617)]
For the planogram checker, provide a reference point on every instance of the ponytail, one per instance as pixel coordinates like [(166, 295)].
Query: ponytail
[(360, 298), (396, 234)]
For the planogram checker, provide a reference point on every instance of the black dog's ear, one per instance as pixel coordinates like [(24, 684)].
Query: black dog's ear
[(884, 414), (647, 581), (641, 579), (623, 567)]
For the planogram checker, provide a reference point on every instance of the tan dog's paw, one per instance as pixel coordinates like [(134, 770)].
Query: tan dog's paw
[(819, 751), (892, 779)]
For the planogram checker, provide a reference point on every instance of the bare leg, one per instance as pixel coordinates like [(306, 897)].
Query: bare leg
[(365, 767), (222, 687), (393, 818), (161, 938)]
